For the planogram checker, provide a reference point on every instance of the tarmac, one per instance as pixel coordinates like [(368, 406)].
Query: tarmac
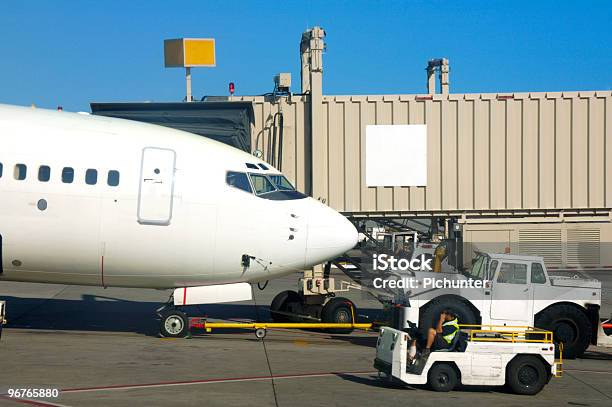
[(99, 347)]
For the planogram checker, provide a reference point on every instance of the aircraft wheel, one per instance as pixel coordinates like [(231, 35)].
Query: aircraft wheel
[(260, 333), (526, 374), (442, 377), (338, 310), (174, 324), (285, 301)]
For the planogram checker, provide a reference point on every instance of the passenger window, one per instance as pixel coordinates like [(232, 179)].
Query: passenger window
[(282, 183), (44, 173), (1, 170), (262, 184), (537, 274), (20, 172), (68, 175), (238, 180), (113, 178), (91, 177), (512, 273)]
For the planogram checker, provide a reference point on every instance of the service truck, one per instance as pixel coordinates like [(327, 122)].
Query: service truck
[(508, 290)]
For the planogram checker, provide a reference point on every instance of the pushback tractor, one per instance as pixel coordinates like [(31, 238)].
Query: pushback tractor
[(521, 358)]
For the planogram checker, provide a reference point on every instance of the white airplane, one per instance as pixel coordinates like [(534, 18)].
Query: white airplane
[(91, 200)]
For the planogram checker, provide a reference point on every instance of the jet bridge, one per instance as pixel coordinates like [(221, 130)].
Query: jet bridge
[(227, 122)]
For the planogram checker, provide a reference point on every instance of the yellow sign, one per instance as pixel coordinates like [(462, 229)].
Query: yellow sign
[(189, 52)]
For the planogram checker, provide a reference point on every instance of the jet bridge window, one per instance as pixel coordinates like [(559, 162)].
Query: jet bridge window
[(512, 273), (281, 183), (91, 177), (44, 173), (68, 175), (261, 183), (238, 180), (20, 172), (113, 178)]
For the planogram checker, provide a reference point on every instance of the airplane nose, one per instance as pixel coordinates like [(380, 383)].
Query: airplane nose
[(329, 235)]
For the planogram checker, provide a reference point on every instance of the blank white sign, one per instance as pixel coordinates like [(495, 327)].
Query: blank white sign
[(396, 155)]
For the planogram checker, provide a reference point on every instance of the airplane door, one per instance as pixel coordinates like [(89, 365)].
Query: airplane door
[(156, 186)]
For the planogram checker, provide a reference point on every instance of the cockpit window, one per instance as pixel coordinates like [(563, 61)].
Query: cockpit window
[(252, 166), (281, 182), (263, 167), (238, 180), (261, 183)]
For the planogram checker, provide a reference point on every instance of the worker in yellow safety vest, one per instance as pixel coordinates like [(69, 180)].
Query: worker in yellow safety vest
[(442, 336)]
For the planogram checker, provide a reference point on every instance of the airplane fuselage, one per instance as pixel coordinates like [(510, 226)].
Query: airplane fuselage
[(99, 201)]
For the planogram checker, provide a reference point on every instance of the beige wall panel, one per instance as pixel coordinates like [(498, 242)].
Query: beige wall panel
[(400, 194), (449, 147), (563, 147), (353, 164), (580, 156), (596, 153), (514, 156), (336, 175), (367, 115), (300, 154), (384, 195), (497, 137), (433, 197), (482, 156), (416, 115), (530, 176), (465, 149), (306, 135), (289, 148), (546, 151)]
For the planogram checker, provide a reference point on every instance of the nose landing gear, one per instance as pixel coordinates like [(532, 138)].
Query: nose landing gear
[(174, 323)]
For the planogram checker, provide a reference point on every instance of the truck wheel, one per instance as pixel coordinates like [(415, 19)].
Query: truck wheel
[(281, 303), (569, 326), (338, 310), (442, 377), (174, 324), (526, 374), (429, 318)]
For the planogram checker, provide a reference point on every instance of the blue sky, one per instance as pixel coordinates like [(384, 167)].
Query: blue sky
[(70, 53)]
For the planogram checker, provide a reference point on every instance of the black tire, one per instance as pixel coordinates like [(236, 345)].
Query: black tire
[(174, 324), (526, 374), (282, 303), (442, 377), (338, 310), (569, 326), (430, 317)]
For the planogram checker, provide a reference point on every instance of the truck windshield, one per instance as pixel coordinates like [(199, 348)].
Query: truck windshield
[(479, 267)]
